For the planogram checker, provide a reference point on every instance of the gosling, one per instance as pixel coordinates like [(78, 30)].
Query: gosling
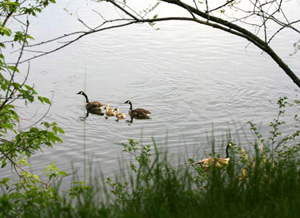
[(119, 115)]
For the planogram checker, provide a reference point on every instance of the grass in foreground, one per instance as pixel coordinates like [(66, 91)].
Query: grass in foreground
[(262, 183), (248, 186)]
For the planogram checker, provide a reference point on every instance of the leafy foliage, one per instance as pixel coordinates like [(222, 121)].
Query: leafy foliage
[(18, 145)]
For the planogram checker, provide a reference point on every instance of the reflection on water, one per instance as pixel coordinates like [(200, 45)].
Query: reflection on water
[(98, 112), (117, 119), (118, 115), (95, 107)]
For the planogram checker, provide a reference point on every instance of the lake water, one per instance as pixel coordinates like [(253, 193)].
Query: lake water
[(192, 78)]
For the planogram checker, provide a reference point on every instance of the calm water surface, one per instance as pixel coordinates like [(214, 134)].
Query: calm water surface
[(193, 79)]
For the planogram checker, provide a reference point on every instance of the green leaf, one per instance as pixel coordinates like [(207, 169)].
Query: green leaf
[(5, 31), (46, 124), (47, 100), (41, 99), (13, 68), (3, 163), (44, 100), (60, 130), (36, 177), (7, 125)]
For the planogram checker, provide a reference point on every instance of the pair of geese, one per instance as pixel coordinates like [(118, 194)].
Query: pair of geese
[(138, 113)]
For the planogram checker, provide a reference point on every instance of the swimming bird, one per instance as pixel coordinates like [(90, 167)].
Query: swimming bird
[(109, 111), (138, 113), (208, 162), (119, 115), (91, 105), (107, 107)]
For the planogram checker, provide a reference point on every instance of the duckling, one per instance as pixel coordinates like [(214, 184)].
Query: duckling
[(119, 115), (107, 107), (93, 105), (208, 162), (138, 113), (109, 111)]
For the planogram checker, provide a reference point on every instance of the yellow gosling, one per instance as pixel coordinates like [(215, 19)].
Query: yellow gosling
[(109, 111), (119, 115)]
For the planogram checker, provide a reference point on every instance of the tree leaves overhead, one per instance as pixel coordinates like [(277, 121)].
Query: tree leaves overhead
[(15, 144)]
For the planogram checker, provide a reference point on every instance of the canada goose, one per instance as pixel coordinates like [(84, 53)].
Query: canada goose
[(206, 163), (93, 105), (109, 111), (138, 113), (95, 111), (119, 115)]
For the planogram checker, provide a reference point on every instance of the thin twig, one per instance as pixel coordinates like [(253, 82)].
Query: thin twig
[(39, 120)]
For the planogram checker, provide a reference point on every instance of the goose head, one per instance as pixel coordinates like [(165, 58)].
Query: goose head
[(107, 107), (117, 109), (80, 93), (229, 145)]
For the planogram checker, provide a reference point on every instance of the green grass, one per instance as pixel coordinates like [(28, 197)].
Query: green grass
[(152, 187), (263, 182)]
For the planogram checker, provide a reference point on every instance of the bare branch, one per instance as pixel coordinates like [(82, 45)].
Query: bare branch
[(56, 39), (122, 9), (10, 93), (39, 120), (84, 24), (222, 6), (77, 38), (99, 14), (196, 6)]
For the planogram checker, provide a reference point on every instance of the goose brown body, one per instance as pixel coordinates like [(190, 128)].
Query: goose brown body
[(119, 115), (94, 104), (213, 160), (218, 162), (138, 113)]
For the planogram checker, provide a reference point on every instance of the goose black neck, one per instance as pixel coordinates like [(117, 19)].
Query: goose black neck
[(86, 98), (130, 105), (227, 153)]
